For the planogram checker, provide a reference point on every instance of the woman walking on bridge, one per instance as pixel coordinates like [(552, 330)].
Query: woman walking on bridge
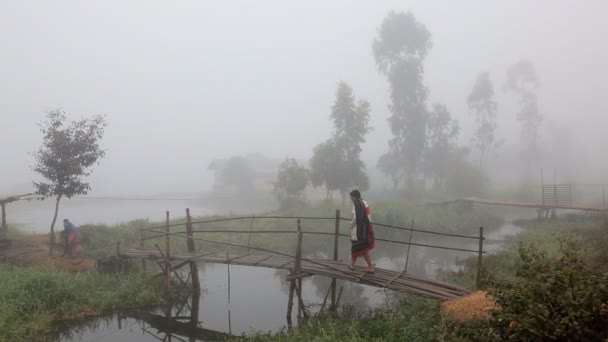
[(361, 231)]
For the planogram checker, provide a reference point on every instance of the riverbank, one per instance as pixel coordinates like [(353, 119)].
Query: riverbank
[(33, 298)]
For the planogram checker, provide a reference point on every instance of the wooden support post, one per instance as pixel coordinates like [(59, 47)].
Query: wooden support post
[(409, 244), (479, 259), (168, 251), (292, 287), (196, 282), (298, 268), (4, 227), (228, 266), (333, 280), (250, 229), (141, 245)]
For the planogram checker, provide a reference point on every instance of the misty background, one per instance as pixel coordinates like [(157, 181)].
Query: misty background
[(187, 82)]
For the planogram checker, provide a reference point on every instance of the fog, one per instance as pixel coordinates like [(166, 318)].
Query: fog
[(183, 83)]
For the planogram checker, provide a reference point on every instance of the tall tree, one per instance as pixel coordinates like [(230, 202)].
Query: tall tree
[(483, 106), (522, 80), (399, 50), (292, 179), (442, 133), (68, 152), (336, 163)]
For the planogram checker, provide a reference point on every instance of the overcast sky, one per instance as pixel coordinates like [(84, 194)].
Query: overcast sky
[(183, 82)]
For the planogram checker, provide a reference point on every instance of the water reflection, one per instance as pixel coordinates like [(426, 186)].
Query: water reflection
[(178, 322)]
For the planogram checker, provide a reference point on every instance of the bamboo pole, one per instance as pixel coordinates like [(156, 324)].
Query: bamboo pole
[(479, 259), (141, 245), (409, 244), (228, 266), (290, 301), (250, 229), (4, 226), (298, 268), (168, 251), (196, 282), (333, 280)]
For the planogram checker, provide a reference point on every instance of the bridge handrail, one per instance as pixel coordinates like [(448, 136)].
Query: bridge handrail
[(225, 219), (308, 233)]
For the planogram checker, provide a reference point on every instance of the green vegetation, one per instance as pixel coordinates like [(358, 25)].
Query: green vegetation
[(409, 319), (548, 286), (32, 298)]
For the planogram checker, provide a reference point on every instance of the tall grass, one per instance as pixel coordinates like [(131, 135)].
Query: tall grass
[(32, 298), (416, 320)]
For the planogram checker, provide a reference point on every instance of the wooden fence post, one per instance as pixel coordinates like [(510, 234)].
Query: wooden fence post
[(4, 227), (168, 252), (141, 246), (196, 283), (479, 260), (333, 280), (298, 268), (409, 244)]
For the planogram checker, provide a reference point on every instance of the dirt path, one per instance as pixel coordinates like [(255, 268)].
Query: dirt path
[(34, 250)]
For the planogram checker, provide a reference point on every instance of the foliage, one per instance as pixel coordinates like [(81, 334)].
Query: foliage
[(557, 299), (336, 163), (483, 106), (66, 156), (399, 51), (409, 320), (238, 173), (31, 298), (292, 179), (522, 79)]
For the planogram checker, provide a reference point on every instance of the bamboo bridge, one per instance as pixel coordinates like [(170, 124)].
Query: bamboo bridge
[(297, 264)]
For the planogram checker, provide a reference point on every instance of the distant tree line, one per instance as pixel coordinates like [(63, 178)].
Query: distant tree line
[(424, 148)]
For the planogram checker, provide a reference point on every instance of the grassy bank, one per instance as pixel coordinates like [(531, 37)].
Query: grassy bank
[(407, 319), (32, 298)]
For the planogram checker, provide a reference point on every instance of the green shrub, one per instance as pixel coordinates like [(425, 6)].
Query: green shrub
[(552, 298)]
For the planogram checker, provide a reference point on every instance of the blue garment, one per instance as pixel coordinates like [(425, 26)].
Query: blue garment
[(70, 227)]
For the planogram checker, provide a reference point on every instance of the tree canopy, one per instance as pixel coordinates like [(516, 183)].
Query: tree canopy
[(522, 80), (292, 180), (483, 106), (336, 163), (399, 50)]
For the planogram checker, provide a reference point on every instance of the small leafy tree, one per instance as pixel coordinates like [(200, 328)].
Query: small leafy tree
[(292, 180), (328, 167), (442, 132), (483, 106), (68, 152), (238, 173)]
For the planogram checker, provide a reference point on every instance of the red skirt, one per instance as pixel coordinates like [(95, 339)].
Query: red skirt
[(371, 243)]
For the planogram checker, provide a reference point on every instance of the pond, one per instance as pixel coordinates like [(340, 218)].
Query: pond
[(257, 297)]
